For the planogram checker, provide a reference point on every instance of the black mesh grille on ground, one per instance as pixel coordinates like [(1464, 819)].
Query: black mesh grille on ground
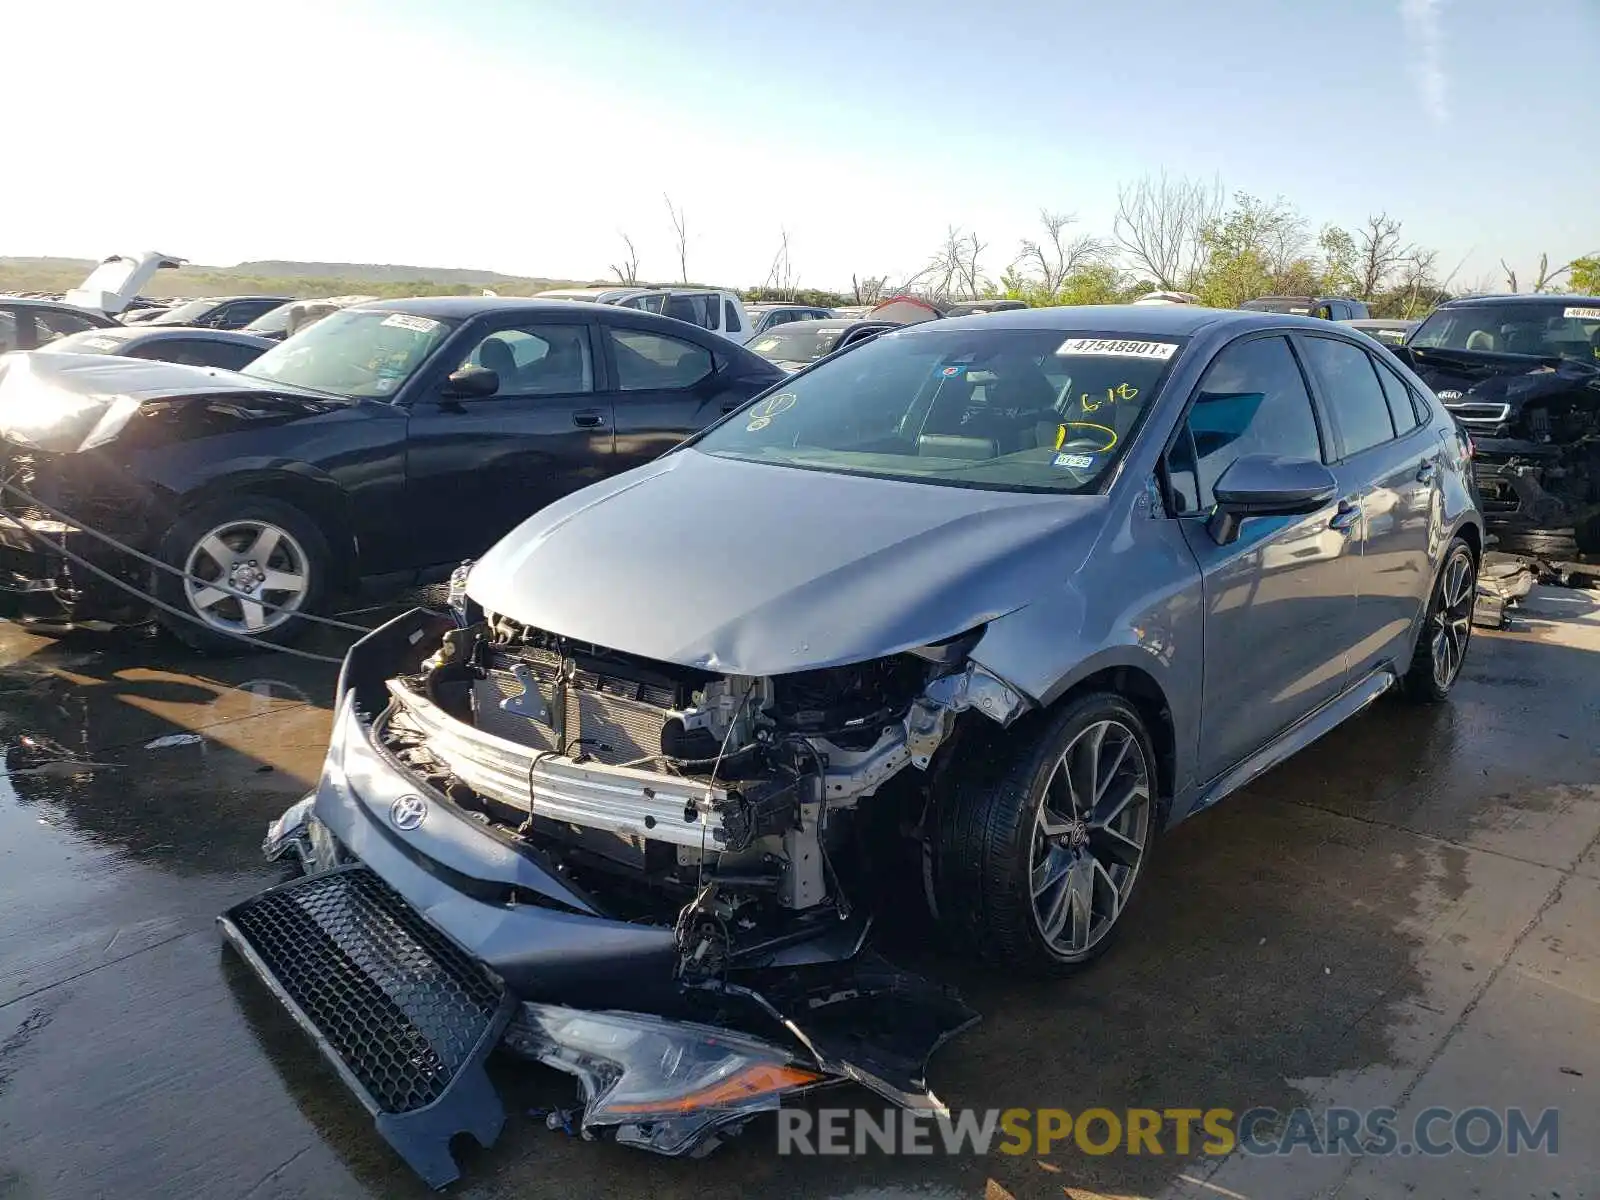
[(399, 1005)]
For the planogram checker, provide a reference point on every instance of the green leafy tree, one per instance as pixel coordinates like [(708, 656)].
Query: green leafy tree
[(1585, 277)]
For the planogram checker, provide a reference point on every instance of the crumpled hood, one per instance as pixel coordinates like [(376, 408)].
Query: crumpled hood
[(753, 569), (71, 402), (1491, 376)]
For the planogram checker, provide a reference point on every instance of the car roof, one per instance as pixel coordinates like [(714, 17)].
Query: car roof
[(35, 302), (1174, 320), (168, 333), (1523, 298), (822, 323)]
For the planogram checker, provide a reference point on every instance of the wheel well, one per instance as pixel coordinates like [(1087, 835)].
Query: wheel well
[(1473, 537), (324, 503), (1139, 689)]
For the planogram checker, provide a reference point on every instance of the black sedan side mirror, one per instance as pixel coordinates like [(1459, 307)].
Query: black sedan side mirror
[(1261, 485), (472, 383)]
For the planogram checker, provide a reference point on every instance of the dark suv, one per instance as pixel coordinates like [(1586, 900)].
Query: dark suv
[(1522, 374)]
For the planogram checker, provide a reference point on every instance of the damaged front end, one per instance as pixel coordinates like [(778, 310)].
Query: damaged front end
[(658, 879)]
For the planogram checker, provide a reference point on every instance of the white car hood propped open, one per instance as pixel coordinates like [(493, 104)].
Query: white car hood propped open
[(113, 285)]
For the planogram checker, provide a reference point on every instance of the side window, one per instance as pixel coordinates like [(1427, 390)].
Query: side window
[(537, 360), (651, 361), (1350, 388), (694, 307), (8, 331), (1252, 400), (50, 325), (1402, 409), (730, 318)]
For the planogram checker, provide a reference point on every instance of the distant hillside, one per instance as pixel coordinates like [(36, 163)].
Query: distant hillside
[(372, 272), (285, 278)]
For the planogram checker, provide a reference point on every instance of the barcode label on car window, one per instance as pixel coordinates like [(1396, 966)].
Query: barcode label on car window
[(1583, 314), (1118, 348), (407, 321)]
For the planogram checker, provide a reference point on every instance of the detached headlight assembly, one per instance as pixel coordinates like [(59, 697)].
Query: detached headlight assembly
[(661, 1085)]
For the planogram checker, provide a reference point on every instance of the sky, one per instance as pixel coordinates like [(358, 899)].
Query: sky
[(526, 136)]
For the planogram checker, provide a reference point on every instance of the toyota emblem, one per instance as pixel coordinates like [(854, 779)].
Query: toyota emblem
[(408, 813)]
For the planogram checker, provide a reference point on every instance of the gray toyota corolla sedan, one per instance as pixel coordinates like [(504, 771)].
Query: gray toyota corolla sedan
[(965, 615)]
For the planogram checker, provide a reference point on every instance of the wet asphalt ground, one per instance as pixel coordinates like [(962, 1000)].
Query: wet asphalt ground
[(1407, 914)]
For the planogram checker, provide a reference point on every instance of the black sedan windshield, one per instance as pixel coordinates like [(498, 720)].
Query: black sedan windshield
[(1559, 329), (1011, 409), (361, 353), (797, 342), (186, 313)]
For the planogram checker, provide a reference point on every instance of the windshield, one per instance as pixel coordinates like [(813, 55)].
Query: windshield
[(90, 341), (274, 320), (1556, 330), (1010, 409), (797, 341), (360, 353), (184, 314)]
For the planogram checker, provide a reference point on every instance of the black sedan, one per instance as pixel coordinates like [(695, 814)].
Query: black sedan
[(389, 440), (800, 343), (217, 312), (26, 324), (225, 348)]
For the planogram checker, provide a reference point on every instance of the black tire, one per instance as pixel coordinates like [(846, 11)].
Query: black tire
[(300, 550), (1442, 639), (987, 849)]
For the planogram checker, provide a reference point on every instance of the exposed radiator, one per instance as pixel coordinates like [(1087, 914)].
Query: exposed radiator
[(531, 698)]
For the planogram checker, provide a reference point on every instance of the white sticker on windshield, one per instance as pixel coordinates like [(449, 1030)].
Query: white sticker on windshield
[(407, 321), (1118, 348), (1583, 314), (1077, 462)]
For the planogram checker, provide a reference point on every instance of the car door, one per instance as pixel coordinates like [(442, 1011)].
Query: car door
[(1280, 600), (476, 467), (668, 385), (1394, 467)]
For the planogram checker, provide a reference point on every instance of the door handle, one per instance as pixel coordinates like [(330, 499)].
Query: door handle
[(588, 420), (1428, 471), (1347, 518)]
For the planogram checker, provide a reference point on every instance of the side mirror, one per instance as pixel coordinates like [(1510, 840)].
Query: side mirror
[(1260, 485), (472, 383)]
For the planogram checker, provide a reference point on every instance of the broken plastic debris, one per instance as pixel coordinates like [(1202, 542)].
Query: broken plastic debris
[(174, 739)]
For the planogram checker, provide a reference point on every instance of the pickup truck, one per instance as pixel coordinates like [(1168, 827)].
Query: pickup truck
[(719, 311)]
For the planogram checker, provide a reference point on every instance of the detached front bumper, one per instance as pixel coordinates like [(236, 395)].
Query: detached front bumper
[(423, 938), (39, 583)]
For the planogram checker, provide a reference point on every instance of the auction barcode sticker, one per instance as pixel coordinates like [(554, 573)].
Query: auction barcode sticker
[(407, 321), (1583, 314), (1118, 348)]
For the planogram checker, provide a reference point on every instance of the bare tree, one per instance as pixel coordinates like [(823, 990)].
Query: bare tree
[(1159, 225), (1382, 252), (955, 269), (1419, 286), (781, 278), (1543, 281), (869, 290), (1059, 255), (627, 271), (681, 229)]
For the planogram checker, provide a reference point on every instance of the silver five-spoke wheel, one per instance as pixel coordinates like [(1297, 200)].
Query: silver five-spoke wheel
[(1090, 834), (247, 576)]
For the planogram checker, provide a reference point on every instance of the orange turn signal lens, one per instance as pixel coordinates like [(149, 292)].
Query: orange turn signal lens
[(759, 1079)]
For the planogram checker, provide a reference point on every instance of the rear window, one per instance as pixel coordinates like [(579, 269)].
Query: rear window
[(1008, 409), (1560, 329)]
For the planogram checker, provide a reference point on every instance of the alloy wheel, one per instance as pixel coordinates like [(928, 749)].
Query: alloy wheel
[(1091, 831), (239, 569), (1452, 619)]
